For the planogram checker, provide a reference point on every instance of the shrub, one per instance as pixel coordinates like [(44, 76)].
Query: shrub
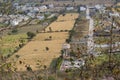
[(61, 30), (14, 31), (47, 49), (68, 40), (51, 78), (31, 34), (66, 30), (17, 56)]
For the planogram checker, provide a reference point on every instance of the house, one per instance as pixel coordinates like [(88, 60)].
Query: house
[(26, 18), (50, 6), (43, 7), (82, 8), (41, 17), (32, 15), (101, 8), (115, 14), (69, 8), (14, 22), (98, 6), (36, 9), (75, 64)]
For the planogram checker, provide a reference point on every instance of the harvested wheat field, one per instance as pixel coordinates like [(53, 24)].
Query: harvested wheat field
[(65, 22), (35, 52), (67, 17)]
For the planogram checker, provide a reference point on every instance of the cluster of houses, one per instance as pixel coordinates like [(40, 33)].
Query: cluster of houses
[(28, 12), (70, 62), (13, 20), (37, 12), (101, 8)]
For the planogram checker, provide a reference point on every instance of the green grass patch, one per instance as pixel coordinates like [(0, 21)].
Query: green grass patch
[(100, 59), (10, 43), (3, 25)]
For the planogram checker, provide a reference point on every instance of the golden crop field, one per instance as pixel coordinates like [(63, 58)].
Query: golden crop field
[(35, 51), (63, 22)]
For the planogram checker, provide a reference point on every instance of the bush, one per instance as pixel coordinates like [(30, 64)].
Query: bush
[(61, 30), (47, 48), (59, 62), (17, 56), (51, 78), (66, 30), (31, 34), (14, 31), (68, 40)]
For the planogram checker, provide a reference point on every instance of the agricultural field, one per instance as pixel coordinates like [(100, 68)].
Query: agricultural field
[(30, 28), (10, 43), (64, 22), (43, 48), (36, 50)]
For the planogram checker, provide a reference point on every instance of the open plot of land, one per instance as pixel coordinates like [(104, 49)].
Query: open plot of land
[(35, 51), (31, 28), (64, 25), (67, 17), (78, 37), (65, 22), (81, 29)]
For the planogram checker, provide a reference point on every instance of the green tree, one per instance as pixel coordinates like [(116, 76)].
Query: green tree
[(31, 35), (47, 48), (14, 31)]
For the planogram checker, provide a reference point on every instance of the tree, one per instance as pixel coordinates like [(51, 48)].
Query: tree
[(50, 37), (47, 48), (14, 31), (50, 29), (31, 35)]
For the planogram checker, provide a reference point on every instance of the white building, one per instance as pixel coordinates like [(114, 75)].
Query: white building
[(14, 22), (82, 8), (41, 17), (43, 7), (51, 6), (69, 8), (114, 14), (32, 15)]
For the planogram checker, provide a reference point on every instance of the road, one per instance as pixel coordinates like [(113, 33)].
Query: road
[(90, 43)]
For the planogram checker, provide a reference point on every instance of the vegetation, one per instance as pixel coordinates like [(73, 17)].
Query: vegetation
[(10, 43), (48, 20), (6, 8), (58, 63), (30, 35)]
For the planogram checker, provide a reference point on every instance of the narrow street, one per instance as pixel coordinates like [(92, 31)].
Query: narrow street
[(90, 43)]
